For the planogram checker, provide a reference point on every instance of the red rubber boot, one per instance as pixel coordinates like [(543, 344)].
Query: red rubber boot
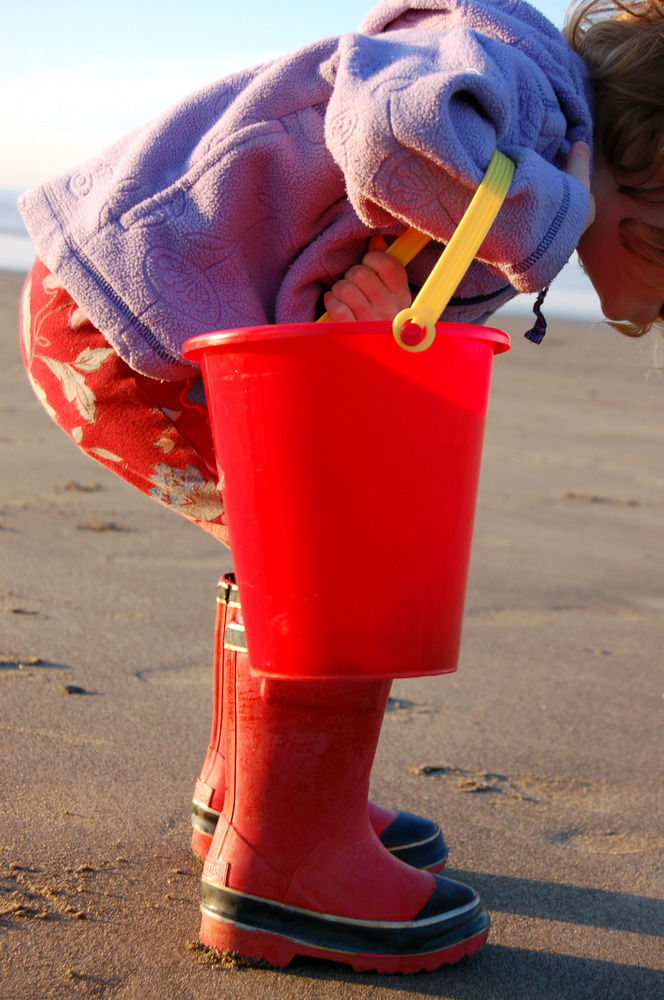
[(414, 839), (209, 791), (295, 867)]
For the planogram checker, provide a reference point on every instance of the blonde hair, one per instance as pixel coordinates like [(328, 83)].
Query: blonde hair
[(622, 44)]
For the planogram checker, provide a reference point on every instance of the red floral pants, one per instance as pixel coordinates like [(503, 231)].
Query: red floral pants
[(154, 434)]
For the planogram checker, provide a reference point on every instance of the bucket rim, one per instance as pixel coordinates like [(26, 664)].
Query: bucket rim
[(250, 336)]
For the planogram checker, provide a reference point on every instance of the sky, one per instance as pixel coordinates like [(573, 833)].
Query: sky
[(75, 76)]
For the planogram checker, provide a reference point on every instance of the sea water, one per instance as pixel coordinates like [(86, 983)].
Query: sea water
[(571, 295), (16, 250)]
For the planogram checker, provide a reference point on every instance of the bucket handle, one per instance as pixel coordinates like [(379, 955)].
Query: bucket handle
[(457, 256), (459, 253)]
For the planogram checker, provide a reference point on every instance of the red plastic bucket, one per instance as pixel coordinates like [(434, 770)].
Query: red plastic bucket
[(349, 470)]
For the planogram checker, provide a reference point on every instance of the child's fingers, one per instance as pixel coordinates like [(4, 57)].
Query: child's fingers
[(383, 300), (392, 275), (369, 281), (377, 242), (338, 310), (362, 293), (376, 289)]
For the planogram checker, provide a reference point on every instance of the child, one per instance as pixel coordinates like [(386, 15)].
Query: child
[(242, 206)]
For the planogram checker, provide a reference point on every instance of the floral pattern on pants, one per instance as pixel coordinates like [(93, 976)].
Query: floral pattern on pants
[(154, 434)]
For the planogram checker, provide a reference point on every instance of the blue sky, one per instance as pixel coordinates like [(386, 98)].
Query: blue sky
[(74, 76)]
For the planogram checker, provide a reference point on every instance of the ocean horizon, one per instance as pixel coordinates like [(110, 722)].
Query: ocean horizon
[(571, 295)]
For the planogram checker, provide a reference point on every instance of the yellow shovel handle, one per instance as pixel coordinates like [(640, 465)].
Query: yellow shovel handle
[(458, 255)]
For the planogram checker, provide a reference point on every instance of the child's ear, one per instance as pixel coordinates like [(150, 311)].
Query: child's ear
[(578, 166)]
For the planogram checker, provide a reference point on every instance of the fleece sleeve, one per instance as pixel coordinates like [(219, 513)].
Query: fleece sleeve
[(412, 122)]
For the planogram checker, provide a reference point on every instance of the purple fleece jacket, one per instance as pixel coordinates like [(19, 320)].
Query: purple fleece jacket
[(245, 201)]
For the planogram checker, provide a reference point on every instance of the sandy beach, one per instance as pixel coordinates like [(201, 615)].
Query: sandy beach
[(541, 758)]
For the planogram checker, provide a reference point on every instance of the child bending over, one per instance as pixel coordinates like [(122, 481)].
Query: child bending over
[(251, 202)]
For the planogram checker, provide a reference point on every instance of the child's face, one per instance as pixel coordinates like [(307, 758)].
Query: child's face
[(629, 288)]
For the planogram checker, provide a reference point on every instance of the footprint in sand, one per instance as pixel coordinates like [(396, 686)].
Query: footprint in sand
[(405, 710), (466, 780), (524, 787), (594, 498), (101, 526)]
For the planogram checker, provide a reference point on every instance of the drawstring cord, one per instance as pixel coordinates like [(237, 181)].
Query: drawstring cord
[(536, 333)]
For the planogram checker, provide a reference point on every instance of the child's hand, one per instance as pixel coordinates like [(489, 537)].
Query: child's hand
[(376, 289)]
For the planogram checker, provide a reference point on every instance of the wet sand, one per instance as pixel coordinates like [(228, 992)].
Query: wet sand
[(541, 758)]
